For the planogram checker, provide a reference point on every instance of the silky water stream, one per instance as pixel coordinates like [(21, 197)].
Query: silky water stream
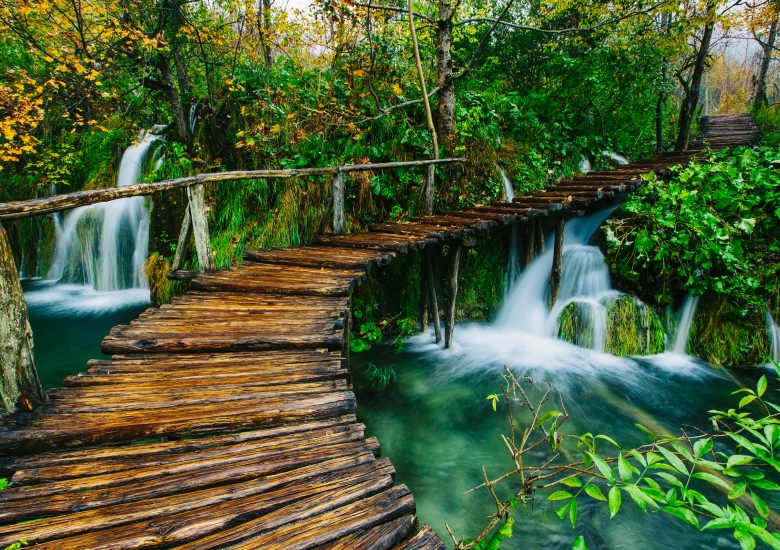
[(97, 279), (436, 425)]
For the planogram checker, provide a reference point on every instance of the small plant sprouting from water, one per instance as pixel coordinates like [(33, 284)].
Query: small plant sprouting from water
[(3, 483), (669, 474), (380, 375)]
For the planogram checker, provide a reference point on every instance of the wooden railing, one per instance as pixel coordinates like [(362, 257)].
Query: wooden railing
[(195, 220)]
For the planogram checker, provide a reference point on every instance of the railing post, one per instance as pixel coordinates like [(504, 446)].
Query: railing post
[(556, 274), (449, 325), (338, 202), (200, 226), (184, 240), (429, 188)]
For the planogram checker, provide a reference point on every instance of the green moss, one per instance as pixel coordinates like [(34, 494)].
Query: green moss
[(723, 335), (575, 324), (481, 278), (633, 328), (161, 289)]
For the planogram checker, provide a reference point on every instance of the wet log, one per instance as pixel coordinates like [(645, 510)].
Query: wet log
[(20, 388), (423, 301), (449, 320), (556, 273), (540, 244), (530, 244), (431, 284), (382, 537), (430, 183)]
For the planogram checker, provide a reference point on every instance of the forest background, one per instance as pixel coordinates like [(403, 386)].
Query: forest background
[(527, 86)]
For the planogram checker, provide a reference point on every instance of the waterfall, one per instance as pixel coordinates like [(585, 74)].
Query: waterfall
[(620, 159), (585, 281), (585, 166), (513, 268), (508, 188), (684, 322), (774, 336), (105, 245)]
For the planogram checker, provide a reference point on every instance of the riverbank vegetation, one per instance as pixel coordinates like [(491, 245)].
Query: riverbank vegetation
[(709, 229), (723, 478)]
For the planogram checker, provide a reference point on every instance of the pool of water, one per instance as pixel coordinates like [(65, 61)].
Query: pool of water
[(70, 321), (437, 427)]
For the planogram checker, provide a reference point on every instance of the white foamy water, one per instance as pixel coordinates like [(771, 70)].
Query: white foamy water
[(684, 322), (524, 333), (774, 336), (620, 159), (509, 190), (585, 166), (59, 299)]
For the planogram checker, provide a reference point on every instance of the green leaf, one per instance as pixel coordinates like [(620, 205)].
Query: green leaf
[(761, 387), (572, 481), (641, 499), (579, 544), (702, 447), (624, 468), (761, 507), (746, 540), (743, 441), (766, 484), (673, 460), (560, 495), (561, 512), (738, 460), (594, 492), (650, 435), (747, 400), (603, 467), (546, 417), (683, 513), (573, 512), (712, 479), (737, 490), (614, 501)]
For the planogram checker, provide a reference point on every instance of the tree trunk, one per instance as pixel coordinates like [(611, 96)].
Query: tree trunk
[(530, 241), (759, 92), (180, 118), (449, 323), (264, 36), (659, 115), (446, 126), (556, 274), (423, 300), (20, 388), (692, 97)]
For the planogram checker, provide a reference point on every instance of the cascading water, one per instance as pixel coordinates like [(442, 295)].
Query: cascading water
[(774, 336), (585, 166), (620, 159), (509, 190), (684, 323), (105, 245)]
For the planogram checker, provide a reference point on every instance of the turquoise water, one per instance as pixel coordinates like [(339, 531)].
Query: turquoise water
[(437, 427), (70, 321)]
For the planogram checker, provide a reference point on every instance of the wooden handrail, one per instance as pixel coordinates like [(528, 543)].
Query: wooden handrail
[(35, 207)]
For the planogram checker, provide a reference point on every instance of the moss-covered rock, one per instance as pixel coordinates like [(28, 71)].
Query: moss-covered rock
[(723, 335), (632, 328)]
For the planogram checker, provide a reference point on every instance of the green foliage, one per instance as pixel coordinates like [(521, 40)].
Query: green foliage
[(380, 375), (17, 545), (713, 227), (365, 338), (3, 483), (633, 328), (685, 477)]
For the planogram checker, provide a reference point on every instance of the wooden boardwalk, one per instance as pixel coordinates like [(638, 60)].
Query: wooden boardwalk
[(225, 420)]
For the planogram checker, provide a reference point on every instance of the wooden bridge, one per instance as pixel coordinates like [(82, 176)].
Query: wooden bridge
[(225, 420)]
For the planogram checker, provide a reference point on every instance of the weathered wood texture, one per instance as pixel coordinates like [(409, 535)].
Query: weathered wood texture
[(19, 385), (225, 419)]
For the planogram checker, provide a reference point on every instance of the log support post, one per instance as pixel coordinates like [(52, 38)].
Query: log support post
[(338, 202), (200, 226), (423, 299), (530, 242), (430, 176), (430, 283), (20, 388), (184, 241), (449, 320), (540, 245), (557, 267)]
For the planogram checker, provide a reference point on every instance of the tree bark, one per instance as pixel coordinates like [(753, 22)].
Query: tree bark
[(20, 388), (431, 284), (556, 274), (180, 119), (768, 47), (446, 115), (200, 227), (691, 100), (449, 320), (659, 115), (530, 242), (540, 245), (423, 300)]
